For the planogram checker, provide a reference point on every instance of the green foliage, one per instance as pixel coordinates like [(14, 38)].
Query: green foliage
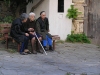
[(60, 41), (72, 12), (11, 51), (7, 2), (83, 74), (8, 19), (77, 38), (16, 7), (68, 74)]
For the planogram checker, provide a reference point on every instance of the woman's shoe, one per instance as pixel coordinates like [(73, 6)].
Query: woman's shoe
[(23, 53), (46, 49), (34, 52), (28, 52), (50, 48), (40, 51)]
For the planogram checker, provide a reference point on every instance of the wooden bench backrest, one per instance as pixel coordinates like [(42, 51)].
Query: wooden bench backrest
[(5, 25), (55, 37), (5, 31), (5, 28)]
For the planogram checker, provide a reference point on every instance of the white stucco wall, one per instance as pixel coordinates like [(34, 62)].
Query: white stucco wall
[(59, 23), (30, 5), (44, 6)]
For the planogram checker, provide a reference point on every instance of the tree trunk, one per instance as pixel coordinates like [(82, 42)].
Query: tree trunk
[(17, 11)]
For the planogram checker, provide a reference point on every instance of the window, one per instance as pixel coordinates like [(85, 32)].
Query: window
[(60, 5)]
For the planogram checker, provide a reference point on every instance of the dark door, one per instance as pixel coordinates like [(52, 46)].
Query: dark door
[(92, 20)]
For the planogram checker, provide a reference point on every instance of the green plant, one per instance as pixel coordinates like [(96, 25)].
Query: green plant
[(7, 2), (60, 41), (8, 19), (11, 51), (17, 6), (72, 12), (83, 74), (68, 74), (77, 38), (98, 47)]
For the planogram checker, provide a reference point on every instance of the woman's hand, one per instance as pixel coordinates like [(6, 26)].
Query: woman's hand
[(30, 29), (32, 33), (26, 34)]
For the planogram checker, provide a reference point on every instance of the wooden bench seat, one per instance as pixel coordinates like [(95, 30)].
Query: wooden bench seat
[(54, 38), (6, 30)]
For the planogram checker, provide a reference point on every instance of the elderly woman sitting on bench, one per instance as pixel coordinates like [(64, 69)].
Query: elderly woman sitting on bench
[(18, 33)]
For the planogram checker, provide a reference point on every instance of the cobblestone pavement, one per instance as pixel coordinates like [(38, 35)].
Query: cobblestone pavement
[(67, 58)]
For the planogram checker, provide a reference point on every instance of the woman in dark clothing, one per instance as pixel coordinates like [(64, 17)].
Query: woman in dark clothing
[(18, 32), (30, 24)]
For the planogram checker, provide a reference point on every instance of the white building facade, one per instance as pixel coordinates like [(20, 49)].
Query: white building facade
[(58, 22)]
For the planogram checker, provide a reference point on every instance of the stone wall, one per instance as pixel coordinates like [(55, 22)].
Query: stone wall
[(77, 26)]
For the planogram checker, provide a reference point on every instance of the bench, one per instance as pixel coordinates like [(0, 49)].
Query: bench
[(6, 30), (54, 38)]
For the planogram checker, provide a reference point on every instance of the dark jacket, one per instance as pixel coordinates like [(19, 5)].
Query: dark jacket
[(29, 24), (42, 27), (17, 31)]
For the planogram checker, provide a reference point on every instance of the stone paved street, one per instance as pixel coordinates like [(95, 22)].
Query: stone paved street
[(73, 58)]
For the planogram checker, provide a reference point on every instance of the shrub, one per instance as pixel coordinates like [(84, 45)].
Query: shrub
[(77, 38), (8, 19)]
